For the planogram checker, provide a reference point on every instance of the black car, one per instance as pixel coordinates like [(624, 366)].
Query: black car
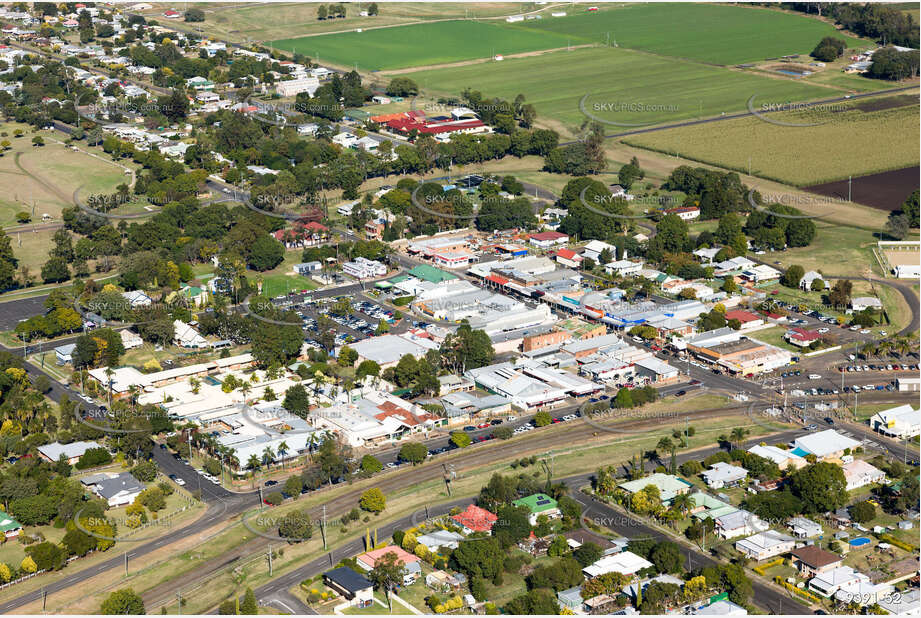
[(681, 393), (271, 483), (829, 420), (496, 421)]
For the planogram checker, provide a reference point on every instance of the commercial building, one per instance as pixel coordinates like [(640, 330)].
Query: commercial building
[(828, 444), (374, 419), (387, 350), (740, 355), (363, 268), (293, 87), (900, 422), (524, 391)]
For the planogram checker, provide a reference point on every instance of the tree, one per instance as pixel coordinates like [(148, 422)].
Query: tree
[(460, 439), (388, 573), (249, 606), (370, 464), (863, 512), (402, 87), (296, 526), (297, 401), (840, 295), (587, 553), (194, 15), (414, 452), (821, 486), (792, 276), (124, 601), (55, 270), (483, 558), (373, 500), (542, 418)]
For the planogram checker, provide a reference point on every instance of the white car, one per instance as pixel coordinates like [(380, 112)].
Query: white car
[(865, 331), (511, 418), (855, 328), (814, 376), (868, 387), (822, 331), (180, 482)]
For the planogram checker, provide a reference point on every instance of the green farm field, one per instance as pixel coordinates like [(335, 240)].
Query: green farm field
[(623, 86), (422, 44), (802, 155), (712, 33)]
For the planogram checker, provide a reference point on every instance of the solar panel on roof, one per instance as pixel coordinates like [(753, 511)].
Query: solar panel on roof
[(542, 502)]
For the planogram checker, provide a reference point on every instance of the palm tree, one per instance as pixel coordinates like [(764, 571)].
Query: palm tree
[(683, 503), (268, 456), (738, 434), (253, 464), (245, 389), (283, 449)]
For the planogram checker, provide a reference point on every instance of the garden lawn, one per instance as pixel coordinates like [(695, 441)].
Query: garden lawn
[(422, 44), (712, 33), (623, 86)]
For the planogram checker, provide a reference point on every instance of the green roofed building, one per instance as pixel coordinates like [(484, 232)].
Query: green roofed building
[(357, 114), (669, 486), (9, 526), (539, 504), (431, 274)]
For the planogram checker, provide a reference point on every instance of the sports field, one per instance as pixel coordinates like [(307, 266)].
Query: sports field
[(706, 32), (422, 44), (801, 155), (624, 86)]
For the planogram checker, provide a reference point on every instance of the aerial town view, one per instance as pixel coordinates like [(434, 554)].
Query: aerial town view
[(421, 308)]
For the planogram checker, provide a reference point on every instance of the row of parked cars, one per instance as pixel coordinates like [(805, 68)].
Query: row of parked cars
[(886, 367)]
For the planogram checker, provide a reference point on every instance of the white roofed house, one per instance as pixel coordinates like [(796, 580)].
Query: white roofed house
[(625, 562), (803, 528), (738, 523), (861, 303), (765, 545), (72, 452), (187, 337), (859, 473), (722, 474), (137, 298), (806, 282), (783, 458)]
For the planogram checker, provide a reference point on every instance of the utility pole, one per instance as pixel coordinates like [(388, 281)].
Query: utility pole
[(179, 602), (849, 188), (126, 564), (323, 529), (270, 562)]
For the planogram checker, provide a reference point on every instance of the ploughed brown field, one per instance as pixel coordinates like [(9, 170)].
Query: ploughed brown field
[(885, 190)]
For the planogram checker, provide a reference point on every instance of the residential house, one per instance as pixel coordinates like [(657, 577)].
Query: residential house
[(862, 303), (436, 540), (806, 282), (537, 505), (186, 336), (625, 562), (722, 474), (803, 528), (668, 485), (783, 458), (116, 489), (130, 339), (9, 526), (765, 545), (859, 473), (411, 563), (812, 560), (64, 353), (801, 337), (723, 607), (72, 452), (475, 519), (545, 240), (357, 589), (137, 298), (568, 257), (686, 213), (738, 523), (571, 599)]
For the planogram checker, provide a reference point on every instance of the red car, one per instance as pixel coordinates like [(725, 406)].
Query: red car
[(482, 426)]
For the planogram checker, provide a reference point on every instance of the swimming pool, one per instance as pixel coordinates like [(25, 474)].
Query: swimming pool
[(859, 541)]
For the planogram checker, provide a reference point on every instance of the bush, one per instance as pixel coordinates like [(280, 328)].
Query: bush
[(275, 498), (94, 457)]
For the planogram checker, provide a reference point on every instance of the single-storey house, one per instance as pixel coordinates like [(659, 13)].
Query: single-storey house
[(357, 589), (537, 505), (475, 519), (765, 545), (722, 474), (812, 560), (73, 451), (411, 563)]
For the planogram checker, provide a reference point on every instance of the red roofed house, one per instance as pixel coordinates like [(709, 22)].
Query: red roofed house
[(748, 319), (302, 234), (568, 257), (801, 337), (171, 14), (411, 563), (545, 240), (475, 519)]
